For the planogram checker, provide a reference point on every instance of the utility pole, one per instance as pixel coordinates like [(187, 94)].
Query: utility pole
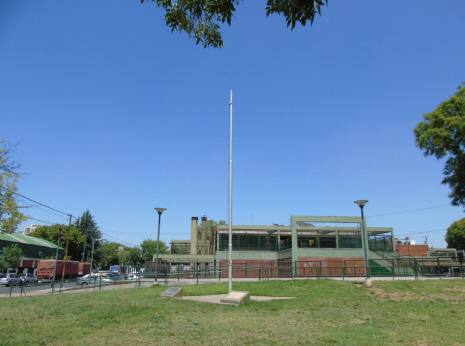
[(426, 239), (92, 258), (66, 253), (56, 261), (84, 249)]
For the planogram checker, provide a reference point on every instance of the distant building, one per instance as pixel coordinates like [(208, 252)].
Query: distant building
[(34, 249), (29, 229), (312, 246)]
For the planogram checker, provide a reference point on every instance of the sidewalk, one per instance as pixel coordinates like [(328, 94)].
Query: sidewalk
[(187, 282)]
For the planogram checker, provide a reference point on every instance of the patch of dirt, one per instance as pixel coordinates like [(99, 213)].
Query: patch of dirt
[(409, 296)]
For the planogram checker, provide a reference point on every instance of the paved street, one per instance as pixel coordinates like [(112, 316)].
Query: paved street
[(29, 288)]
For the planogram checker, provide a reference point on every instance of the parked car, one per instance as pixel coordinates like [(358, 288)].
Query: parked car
[(135, 276), (117, 277), (10, 279), (28, 279), (107, 273), (92, 280)]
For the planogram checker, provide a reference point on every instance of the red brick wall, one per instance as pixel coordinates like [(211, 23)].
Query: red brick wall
[(412, 250), (268, 268), (307, 266), (331, 266)]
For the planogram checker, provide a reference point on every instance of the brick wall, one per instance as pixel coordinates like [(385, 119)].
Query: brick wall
[(412, 250), (268, 268), (331, 266)]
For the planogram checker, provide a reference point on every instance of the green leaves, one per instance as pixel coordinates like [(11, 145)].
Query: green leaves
[(455, 236), (296, 11), (200, 18), (442, 134), (10, 216), (11, 257)]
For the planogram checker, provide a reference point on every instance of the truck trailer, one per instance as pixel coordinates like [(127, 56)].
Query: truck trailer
[(46, 269)]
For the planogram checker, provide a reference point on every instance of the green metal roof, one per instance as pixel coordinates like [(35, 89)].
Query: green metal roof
[(26, 239)]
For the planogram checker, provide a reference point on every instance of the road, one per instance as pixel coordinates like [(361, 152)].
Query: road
[(28, 288)]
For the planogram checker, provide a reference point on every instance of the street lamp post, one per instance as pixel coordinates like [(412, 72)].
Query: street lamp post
[(145, 261), (361, 204), (84, 249), (56, 261), (92, 257), (159, 211)]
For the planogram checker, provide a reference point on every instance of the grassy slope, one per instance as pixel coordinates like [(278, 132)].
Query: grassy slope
[(324, 312)]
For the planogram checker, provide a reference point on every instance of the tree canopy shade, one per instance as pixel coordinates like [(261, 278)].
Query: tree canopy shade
[(107, 255), (442, 134), (50, 233), (11, 257), (10, 216), (200, 18), (455, 236), (149, 249)]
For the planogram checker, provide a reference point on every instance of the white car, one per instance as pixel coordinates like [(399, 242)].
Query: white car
[(10, 279), (28, 279)]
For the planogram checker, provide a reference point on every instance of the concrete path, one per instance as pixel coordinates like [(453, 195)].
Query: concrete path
[(216, 299)]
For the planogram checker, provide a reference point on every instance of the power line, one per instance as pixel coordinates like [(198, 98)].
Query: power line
[(51, 223), (29, 199), (410, 211), (410, 233), (76, 218)]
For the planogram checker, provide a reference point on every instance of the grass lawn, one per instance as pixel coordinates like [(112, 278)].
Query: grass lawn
[(325, 312)]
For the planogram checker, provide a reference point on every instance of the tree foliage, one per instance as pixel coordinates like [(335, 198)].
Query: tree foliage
[(210, 225), (107, 255), (442, 134), (87, 226), (10, 216), (200, 18), (50, 233), (455, 236), (149, 249), (11, 257), (132, 256)]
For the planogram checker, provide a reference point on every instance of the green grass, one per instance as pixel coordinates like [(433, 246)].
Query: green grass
[(325, 312)]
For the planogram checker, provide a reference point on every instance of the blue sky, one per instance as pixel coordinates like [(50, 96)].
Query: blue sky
[(118, 115)]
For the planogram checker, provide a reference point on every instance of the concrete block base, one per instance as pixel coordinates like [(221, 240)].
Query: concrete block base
[(236, 298), (173, 292)]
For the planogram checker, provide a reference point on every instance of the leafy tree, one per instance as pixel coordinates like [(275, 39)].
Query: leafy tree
[(10, 216), (442, 134), (107, 254), (50, 233), (210, 225), (132, 255), (200, 18), (11, 257), (87, 225), (149, 249), (455, 236)]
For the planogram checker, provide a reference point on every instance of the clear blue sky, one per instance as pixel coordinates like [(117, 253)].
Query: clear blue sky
[(118, 115)]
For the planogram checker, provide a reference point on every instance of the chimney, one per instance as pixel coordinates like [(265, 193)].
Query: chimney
[(203, 238), (194, 226)]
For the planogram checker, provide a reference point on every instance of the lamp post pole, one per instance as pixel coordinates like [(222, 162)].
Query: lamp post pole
[(159, 211), (145, 262), (92, 257), (361, 204), (56, 261), (84, 249)]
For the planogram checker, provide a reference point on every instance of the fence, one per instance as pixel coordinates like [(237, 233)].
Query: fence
[(400, 267)]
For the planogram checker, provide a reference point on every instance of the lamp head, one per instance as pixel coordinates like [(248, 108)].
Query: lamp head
[(361, 203), (160, 210)]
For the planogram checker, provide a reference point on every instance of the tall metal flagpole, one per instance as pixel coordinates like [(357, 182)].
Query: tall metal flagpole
[(230, 194)]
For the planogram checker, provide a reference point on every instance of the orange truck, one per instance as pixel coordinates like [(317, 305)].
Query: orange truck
[(84, 268), (46, 268)]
